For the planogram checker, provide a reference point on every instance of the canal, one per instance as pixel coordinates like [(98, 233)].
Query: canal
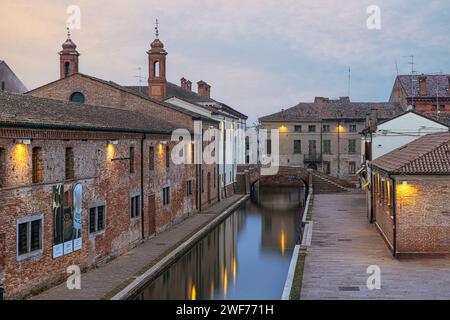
[(246, 256)]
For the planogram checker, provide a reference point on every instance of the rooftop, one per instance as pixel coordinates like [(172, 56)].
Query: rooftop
[(18, 109), (326, 109), (429, 154), (437, 85)]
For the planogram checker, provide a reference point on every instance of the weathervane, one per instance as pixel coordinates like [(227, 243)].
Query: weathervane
[(68, 32), (156, 29)]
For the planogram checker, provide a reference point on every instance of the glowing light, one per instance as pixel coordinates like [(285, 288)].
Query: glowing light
[(283, 242), (282, 129), (160, 149), (193, 293), (20, 153), (340, 128), (110, 151), (225, 282), (234, 270), (405, 190)]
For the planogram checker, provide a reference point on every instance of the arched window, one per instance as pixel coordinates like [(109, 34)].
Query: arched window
[(66, 69), (77, 97), (156, 69)]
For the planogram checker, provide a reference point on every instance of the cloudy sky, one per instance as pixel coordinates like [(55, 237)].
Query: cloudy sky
[(258, 55)]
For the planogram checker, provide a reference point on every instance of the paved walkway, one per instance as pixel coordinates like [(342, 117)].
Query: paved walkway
[(344, 244), (100, 282)]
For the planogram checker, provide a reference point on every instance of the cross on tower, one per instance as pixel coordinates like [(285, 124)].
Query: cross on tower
[(68, 32)]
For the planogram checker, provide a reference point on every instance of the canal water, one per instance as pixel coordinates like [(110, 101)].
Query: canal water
[(247, 256)]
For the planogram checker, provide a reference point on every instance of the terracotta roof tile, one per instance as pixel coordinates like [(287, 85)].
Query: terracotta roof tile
[(437, 85), (429, 154), (28, 110), (335, 109)]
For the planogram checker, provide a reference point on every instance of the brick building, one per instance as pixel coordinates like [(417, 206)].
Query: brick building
[(325, 135), (79, 185), (411, 195), (81, 88), (426, 93)]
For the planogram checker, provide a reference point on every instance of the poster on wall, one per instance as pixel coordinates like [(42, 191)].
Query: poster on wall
[(58, 193), (67, 219), (77, 211)]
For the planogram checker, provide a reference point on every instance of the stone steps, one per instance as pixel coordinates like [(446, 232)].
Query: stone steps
[(324, 185)]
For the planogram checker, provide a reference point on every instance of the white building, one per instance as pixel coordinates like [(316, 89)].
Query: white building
[(396, 132), (232, 126)]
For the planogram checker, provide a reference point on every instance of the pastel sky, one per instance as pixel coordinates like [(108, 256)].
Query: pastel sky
[(258, 55)]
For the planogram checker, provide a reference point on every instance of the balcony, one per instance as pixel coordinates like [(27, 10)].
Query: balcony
[(312, 158)]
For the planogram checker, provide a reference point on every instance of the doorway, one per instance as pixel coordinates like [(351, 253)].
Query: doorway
[(151, 214)]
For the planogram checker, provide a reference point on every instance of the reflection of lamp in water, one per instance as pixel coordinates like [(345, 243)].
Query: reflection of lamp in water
[(212, 289), (193, 293), (225, 282), (234, 270), (283, 242)]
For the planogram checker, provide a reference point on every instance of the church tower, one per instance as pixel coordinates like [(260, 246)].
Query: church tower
[(157, 82), (68, 58)]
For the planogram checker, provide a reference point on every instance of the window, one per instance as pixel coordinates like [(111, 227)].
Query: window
[(352, 128), (156, 69), (352, 167), (135, 206), (96, 219), (297, 146), (326, 128), (352, 146), (77, 97), (3, 85), (298, 128), (327, 146), (69, 162), (440, 107), (269, 147), (166, 196), (2, 167), (151, 159), (167, 157), (132, 160), (66, 69), (189, 188), (29, 236), (312, 128), (36, 165)]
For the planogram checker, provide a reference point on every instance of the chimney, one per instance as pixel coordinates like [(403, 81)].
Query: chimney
[(321, 100), (204, 89), (186, 84), (422, 85)]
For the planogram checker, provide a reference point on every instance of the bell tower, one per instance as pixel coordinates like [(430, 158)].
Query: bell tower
[(157, 82), (68, 58)]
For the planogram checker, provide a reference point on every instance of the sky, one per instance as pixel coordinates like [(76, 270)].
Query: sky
[(259, 56)]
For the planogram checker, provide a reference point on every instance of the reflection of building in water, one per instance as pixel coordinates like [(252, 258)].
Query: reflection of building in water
[(206, 271), (278, 228)]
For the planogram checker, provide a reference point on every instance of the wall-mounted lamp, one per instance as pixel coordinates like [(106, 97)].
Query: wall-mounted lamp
[(113, 142), (23, 141), (404, 182)]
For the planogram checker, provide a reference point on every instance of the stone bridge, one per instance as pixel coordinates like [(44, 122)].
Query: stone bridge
[(249, 175)]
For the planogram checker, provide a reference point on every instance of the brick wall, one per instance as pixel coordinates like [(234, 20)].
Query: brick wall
[(423, 214), (104, 171)]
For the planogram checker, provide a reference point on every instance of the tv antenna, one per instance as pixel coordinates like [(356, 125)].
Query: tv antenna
[(140, 78)]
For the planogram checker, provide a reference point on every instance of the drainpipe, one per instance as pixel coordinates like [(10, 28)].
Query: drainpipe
[(142, 187), (394, 213)]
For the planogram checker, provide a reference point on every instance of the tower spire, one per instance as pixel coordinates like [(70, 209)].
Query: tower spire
[(157, 28)]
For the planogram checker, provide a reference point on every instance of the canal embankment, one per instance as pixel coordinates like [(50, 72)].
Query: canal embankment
[(119, 278)]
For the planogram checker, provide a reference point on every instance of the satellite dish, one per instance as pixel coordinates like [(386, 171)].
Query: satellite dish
[(410, 108)]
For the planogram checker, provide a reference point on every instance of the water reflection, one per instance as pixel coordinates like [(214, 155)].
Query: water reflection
[(245, 257)]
